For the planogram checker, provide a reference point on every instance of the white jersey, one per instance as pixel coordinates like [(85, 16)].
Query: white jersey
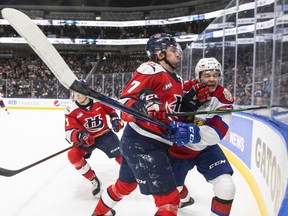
[(213, 127)]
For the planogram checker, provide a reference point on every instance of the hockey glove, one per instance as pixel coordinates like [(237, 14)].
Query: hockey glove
[(117, 124), (150, 104), (183, 133), (197, 91), (195, 97), (84, 136)]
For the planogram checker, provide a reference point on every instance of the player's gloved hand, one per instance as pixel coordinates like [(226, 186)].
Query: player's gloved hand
[(197, 95), (150, 104), (183, 133), (198, 91), (84, 136), (203, 93), (117, 124)]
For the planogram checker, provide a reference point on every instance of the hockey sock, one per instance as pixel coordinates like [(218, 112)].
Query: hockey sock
[(118, 159), (184, 194), (113, 195), (221, 207), (167, 204), (75, 157)]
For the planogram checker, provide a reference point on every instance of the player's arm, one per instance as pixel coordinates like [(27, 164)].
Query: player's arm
[(140, 93), (74, 132), (115, 120), (209, 132), (215, 129), (195, 94), (2, 104)]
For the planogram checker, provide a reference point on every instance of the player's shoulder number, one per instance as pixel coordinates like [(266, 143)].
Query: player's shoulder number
[(134, 85)]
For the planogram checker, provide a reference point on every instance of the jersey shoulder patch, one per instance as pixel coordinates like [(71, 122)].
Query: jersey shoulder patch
[(228, 95), (150, 68)]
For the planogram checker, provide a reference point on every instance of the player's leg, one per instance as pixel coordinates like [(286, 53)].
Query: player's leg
[(167, 204), (224, 190), (217, 170), (148, 160), (109, 143), (180, 169), (77, 157), (185, 198), (115, 193)]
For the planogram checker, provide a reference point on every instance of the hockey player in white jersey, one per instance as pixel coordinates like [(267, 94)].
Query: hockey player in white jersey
[(188, 152)]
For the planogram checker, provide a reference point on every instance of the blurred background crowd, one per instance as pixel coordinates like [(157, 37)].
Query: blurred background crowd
[(254, 65)]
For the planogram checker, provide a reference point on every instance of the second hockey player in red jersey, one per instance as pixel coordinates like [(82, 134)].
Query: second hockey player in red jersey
[(86, 122), (2, 105)]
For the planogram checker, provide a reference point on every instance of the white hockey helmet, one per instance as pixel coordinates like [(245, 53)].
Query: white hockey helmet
[(206, 64)]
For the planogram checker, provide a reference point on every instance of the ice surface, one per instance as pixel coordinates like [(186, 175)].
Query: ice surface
[(55, 188)]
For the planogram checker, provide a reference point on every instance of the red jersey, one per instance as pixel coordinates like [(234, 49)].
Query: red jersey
[(91, 117), (166, 85), (213, 127)]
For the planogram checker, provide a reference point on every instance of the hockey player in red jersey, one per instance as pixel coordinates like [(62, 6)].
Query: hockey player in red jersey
[(2, 104), (154, 89), (86, 122), (196, 144)]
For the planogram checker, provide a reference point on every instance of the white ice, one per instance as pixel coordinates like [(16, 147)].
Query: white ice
[(55, 188)]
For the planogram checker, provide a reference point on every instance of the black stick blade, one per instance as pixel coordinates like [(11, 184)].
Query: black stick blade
[(8, 173)]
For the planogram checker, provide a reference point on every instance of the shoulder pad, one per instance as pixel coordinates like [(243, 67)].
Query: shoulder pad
[(70, 108), (223, 95), (150, 68)]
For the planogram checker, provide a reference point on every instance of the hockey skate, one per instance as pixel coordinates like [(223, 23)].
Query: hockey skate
[(188, 203), (96, 187), (112, 212)]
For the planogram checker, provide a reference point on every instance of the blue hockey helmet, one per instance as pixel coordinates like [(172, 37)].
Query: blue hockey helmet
[(160, 42)]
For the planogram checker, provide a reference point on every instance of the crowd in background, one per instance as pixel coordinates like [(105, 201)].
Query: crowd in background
[(80, 32), (26, 76), (29, 77)]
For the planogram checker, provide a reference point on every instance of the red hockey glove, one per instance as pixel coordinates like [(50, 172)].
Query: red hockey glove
[(203, 93), (151, 105), (117, 124), (197, 95), (198, 91), (84, 136)]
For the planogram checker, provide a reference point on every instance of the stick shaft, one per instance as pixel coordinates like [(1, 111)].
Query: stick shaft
[(221, 111), (9, 173)]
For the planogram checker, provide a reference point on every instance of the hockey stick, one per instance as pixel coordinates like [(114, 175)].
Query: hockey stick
[(9, 172), (47, 52), (222, 111)]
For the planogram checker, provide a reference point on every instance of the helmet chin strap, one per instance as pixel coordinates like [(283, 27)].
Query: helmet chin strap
[(167, 62)]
